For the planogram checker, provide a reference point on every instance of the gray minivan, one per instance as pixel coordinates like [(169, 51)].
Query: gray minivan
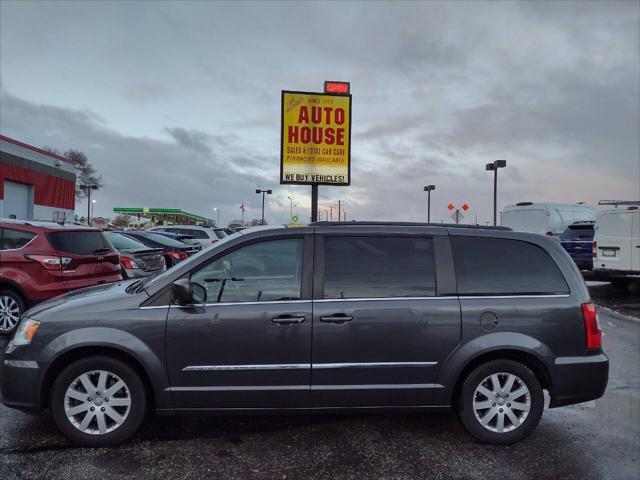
[(323, 317)]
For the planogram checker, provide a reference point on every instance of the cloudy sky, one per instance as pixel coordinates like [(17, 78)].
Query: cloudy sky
[(177, 104)]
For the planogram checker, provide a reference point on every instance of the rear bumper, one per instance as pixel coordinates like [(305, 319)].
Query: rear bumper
[(578, 379), (607, 274)]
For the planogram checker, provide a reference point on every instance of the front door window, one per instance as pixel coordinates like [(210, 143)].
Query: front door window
[(261, 272)]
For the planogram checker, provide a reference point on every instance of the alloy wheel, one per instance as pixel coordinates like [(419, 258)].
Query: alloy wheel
[(501, 402), (9, 313), (97, 402)]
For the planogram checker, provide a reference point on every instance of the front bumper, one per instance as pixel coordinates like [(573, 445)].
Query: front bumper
[(578, 379), (20, 382)]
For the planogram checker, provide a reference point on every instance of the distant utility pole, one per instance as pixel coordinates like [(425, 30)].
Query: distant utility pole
[(331, 210), (339, 216)]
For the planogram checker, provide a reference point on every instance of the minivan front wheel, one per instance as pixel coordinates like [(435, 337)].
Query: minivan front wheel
[(501, 402), (98, 401)]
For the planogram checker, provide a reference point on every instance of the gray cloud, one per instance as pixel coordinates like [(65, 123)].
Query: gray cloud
[(440, 88)]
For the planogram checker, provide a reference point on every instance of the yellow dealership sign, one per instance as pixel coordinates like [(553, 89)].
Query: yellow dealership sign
[(316, 139)]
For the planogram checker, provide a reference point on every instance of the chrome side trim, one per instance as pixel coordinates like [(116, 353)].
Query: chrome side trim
[(378, 299), (258, 388), (378, 386), (321, 366), (480, 297), (283, 366), (303, 366), (222, 304), (241, 388)]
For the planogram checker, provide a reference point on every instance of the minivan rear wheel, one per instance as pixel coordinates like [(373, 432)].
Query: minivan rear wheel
[(501, 402), (12, 305), (98, 401)]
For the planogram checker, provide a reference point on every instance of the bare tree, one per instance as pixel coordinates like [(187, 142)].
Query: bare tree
[(85, 173)]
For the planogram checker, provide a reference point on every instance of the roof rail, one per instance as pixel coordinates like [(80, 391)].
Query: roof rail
[(619, 202), (404, 224)]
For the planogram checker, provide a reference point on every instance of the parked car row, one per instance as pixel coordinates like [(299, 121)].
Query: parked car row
[(40, 260), (606, 243)]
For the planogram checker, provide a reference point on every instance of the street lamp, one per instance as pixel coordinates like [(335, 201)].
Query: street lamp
[(263, 192), (495, 166), (290, 207), (428, 189), (215, 209), (93, 205), (87, 190)]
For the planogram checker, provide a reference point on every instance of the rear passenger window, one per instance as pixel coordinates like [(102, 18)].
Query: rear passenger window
[(497, 266), (378, 267), (13, 239), (79, 242)]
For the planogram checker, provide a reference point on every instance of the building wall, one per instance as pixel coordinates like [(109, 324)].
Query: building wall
[(51, 177)]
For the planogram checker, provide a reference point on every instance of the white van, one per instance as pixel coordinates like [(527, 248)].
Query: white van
[(545, 218), (616, 245)]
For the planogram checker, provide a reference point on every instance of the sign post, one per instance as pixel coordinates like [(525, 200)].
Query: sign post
[(315, 143)]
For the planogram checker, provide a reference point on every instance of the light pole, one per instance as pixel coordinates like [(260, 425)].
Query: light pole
[(290, 207), (93, 206), (495, 166), (87, 190), (428, 189), (216, 209), (263, 192)]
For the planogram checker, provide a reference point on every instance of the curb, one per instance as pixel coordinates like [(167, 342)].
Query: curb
[(619, 315)]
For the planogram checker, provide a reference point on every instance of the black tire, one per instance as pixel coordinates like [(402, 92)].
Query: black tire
[(6, 293), (133, 418), (468, 391)]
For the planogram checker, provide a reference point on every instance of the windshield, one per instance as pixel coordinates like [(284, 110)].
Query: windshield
[(534, 221), (122, 242), (193, 260)]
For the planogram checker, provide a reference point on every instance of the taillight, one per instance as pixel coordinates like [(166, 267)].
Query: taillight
[(591, 325), (128, 262), (549, 233), (594, 251), (50, 262), (214, 241), (177, 255)]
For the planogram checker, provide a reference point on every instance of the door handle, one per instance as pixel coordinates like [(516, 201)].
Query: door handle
[(288, 319), (339, 318)]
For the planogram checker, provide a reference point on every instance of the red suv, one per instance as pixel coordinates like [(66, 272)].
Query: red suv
[(39, 260)]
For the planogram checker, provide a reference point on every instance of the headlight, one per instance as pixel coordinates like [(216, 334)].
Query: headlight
[(26, 331)]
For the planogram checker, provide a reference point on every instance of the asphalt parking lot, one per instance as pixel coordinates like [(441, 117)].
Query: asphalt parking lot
[(596, 440)]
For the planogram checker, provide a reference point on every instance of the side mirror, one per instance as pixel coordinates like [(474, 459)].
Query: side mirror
[(184, 292), (181, 292)]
